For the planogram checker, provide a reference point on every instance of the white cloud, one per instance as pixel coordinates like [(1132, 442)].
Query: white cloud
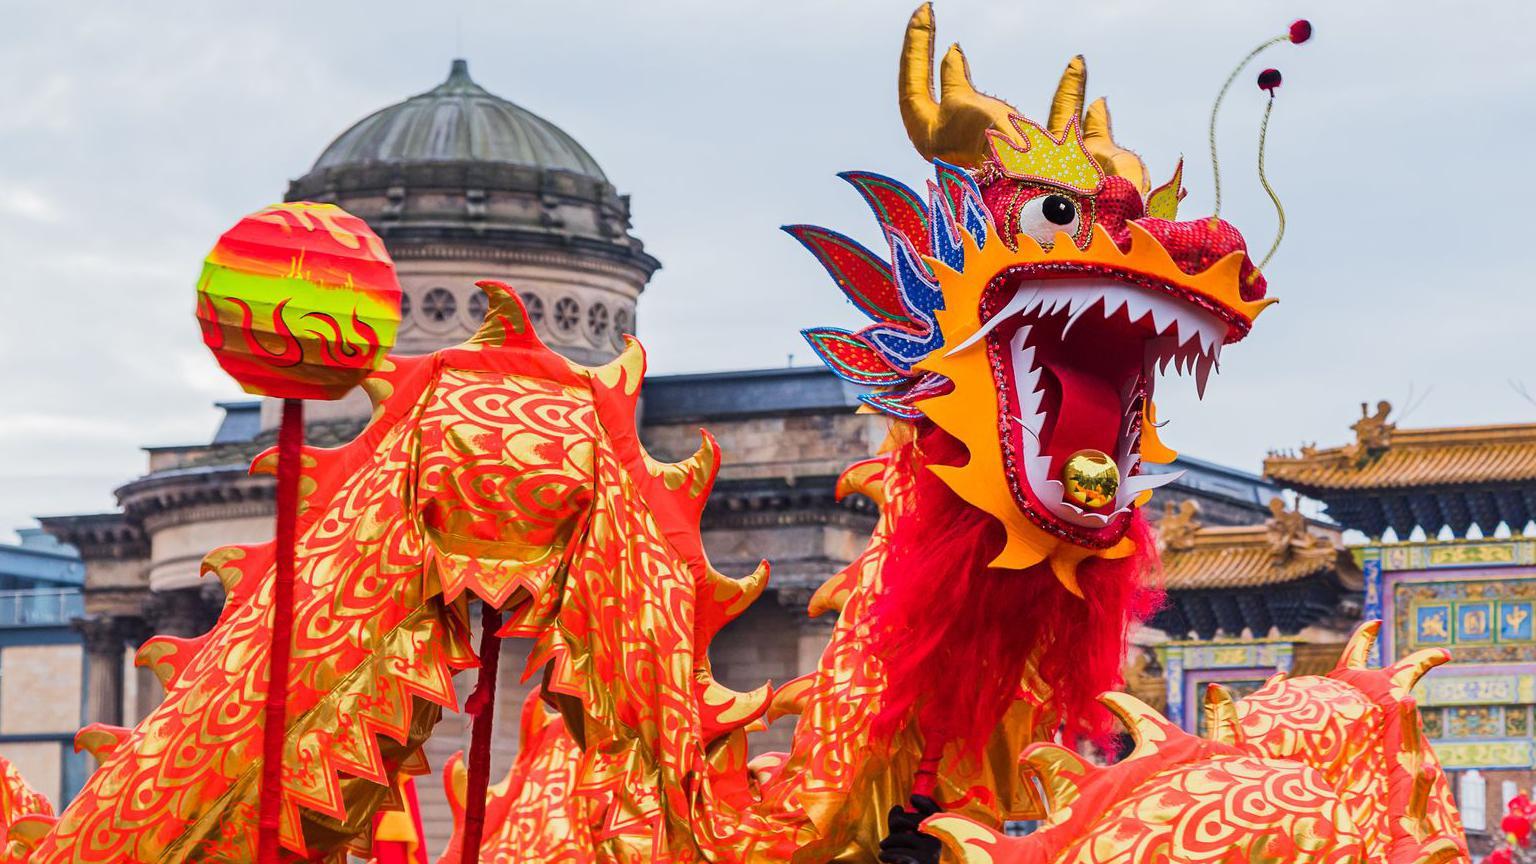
[(29, 205)]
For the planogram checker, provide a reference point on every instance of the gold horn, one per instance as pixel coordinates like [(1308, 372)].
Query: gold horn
[(1067, 103), (1099, 140), (952, 127)]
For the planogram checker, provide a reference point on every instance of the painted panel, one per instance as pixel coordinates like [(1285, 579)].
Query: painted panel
[(1484, 616), (1456, 755), (1445, 687)]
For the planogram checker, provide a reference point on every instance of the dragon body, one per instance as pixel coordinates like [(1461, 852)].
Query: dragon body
[(1018, 324)]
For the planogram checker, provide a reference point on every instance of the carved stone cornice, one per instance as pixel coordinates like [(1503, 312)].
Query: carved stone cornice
[(100, 536), (201, 494), (776, 503), (568, 256), (462, 175), (765, 519)]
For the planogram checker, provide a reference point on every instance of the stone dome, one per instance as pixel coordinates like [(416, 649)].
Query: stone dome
[(459, 121), (463, 185)]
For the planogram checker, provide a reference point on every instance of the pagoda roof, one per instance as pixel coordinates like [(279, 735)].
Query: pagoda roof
[(1284, 574), (1452, 477), (1233, 557), (1450, 456)]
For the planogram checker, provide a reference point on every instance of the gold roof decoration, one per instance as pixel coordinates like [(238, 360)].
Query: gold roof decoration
[(1373, 434), (1383, 456), (953, 123), (1286, 548), (1179, 525), (1288, 534)]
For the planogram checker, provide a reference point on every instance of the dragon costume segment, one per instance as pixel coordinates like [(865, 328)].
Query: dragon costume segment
[(1328, 768), (1026, 303)]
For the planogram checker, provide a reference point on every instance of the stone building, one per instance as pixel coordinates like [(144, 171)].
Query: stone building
[(464, 185)]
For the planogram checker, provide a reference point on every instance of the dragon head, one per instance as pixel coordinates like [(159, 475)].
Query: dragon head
[(1028, 304)]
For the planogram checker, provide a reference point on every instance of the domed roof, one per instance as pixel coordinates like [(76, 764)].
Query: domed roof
[(459, 121)]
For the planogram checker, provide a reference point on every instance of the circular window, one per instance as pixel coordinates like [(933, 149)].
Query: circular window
[(405, 306), (597, 322), (567, 315), (623, 324), (438, 306), (476, 307), (535, 306)]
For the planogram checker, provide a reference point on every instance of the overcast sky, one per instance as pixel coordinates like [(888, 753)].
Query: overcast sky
[(131, 135)]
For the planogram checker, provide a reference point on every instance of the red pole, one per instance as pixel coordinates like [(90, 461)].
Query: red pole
[(926, 780), (290, 443), (482, 709)]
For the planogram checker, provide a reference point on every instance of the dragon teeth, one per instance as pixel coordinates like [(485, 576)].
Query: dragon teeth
[(1184, 336)]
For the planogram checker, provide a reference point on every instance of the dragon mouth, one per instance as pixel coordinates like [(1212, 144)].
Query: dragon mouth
[(1075, 360)]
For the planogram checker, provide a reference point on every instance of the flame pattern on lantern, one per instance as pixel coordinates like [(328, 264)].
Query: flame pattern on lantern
[(299, 300)]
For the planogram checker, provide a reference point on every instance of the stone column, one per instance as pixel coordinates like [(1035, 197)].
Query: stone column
[(105, 647), (183, 612)]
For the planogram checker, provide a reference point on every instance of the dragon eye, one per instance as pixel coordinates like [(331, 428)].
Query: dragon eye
[(1044, 216)]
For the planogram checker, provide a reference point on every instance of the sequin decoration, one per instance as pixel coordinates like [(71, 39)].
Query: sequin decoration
[(1033, 154)]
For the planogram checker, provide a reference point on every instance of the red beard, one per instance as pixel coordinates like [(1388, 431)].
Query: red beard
[(959, 635)]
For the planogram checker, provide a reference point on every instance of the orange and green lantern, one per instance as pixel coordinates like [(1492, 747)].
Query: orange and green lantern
[(299, 301)]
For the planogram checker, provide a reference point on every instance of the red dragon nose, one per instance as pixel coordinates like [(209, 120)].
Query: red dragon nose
[(1194, 245), (1198, 243)]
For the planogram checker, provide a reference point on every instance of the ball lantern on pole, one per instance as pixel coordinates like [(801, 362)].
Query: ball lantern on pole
[(297, 301)]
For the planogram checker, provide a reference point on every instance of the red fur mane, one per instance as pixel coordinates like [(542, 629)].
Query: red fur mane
[(958, 637)]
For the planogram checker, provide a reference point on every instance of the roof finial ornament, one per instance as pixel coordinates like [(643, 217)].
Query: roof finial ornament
[(1287, 531), (1373, 433), (1180, 523)]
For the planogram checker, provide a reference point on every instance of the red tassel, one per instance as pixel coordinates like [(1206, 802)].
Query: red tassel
[(290, 445), (481, 707)]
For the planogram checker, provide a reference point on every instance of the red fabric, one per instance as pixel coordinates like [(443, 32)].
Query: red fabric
[(290, 443), (481, 706), (1517, 826), (395, 851), (961, 633)]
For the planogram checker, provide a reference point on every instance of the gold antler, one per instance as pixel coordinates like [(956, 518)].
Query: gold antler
[(953, 126)]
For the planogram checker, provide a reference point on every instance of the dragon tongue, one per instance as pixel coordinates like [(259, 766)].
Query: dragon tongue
[(1088, 416)]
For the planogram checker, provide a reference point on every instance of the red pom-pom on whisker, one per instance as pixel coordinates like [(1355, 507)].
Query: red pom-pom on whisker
[(1301, 31), (1269, 80)]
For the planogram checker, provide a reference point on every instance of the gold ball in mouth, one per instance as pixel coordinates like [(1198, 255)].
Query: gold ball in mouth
[(1091, 478)]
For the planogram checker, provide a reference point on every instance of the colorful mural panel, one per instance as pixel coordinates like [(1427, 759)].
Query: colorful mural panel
[(1482, 619)]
